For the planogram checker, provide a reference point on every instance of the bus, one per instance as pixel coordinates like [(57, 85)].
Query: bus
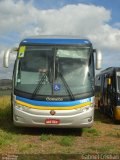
[(53, 82), (108, 92)]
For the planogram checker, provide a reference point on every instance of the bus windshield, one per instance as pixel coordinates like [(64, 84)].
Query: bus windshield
[(55, 71)]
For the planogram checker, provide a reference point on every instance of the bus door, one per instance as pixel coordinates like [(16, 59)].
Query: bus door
[(110, 94), (102, 97), (105, 93)]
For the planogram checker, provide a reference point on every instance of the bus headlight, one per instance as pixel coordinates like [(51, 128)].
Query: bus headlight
[(118, 98), (21, 107), (84, 109)]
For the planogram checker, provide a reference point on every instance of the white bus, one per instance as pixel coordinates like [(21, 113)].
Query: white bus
[(53, 82)]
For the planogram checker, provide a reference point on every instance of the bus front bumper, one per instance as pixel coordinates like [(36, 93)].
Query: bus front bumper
[(67, 119)]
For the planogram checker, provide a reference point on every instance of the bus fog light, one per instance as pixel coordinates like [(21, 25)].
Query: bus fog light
[(16, 118), (90, 119)]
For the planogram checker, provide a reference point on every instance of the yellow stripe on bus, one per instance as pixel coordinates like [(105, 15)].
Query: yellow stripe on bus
[(53, 108)]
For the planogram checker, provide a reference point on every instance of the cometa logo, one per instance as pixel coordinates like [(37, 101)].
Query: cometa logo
[(54, 99)]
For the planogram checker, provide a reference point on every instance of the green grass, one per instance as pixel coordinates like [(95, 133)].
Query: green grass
[(5, 92), (101, 149), (91, 132), (54, 141), (5, 138), (6, 135), (105, 149), (28, 146), (67, 141), (114, 134), (45, 137)]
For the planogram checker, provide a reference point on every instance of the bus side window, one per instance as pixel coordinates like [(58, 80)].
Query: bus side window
[(105, 81)]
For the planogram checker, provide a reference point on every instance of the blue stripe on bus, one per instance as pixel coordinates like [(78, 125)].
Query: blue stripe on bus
[(51, 103), (55, 41)]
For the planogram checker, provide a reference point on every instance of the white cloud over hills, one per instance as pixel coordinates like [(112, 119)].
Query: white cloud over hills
[(22, 19)]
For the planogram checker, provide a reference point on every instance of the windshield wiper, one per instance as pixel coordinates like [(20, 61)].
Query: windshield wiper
[(67, 87), (39, 85)]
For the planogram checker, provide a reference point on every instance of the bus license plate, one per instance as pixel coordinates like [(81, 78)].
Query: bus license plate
[(52, 121)]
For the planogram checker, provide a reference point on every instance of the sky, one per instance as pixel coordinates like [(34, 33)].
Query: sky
[(97, 20)]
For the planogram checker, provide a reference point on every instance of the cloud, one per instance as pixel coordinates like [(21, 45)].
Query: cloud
[(21, 19), (117, 24), (84, 20)]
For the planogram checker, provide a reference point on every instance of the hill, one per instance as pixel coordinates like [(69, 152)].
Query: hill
[(5, 84)]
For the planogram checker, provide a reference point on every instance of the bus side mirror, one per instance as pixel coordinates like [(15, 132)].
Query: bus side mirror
[(98, 59), (6, 57)]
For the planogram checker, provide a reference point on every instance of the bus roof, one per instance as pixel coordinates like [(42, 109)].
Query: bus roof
[(108, 70), (55, 40)]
